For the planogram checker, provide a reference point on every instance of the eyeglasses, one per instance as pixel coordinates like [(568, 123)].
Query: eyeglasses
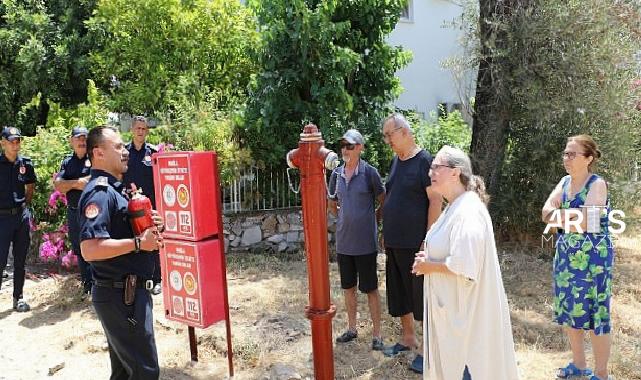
[(436, 166), (388, 135), (571, 155), (348, 146)]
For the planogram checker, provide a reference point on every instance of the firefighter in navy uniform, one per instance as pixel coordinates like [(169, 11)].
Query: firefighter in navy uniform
[(71, 180), (17, 183), (122, 264), (141, 174)]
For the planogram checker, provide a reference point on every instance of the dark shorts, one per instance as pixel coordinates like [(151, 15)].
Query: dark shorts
[(364, 266), (404, 289)]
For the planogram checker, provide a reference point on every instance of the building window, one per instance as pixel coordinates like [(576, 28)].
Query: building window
[(407, 13)]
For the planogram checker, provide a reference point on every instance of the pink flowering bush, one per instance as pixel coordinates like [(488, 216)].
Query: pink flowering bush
[(55, 249), (52, 247), (70, 260), (51, 233), (162, 147), (55, 198)]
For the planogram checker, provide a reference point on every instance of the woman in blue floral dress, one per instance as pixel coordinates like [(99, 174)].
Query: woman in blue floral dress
[(584, 257)]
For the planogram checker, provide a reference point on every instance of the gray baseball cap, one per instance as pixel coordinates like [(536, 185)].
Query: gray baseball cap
[(353, 136)]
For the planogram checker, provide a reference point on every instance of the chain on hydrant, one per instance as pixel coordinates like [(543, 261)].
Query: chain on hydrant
[(312, 158)]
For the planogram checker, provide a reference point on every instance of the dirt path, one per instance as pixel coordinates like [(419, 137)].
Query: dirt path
[(61, 334)]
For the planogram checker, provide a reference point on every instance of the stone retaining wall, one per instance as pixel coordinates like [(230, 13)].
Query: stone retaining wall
[(268, 231)]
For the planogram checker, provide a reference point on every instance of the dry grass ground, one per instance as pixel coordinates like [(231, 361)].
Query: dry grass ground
[(267, 297)]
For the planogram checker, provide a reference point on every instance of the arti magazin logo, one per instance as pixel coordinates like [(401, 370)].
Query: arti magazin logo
[(571, 220)]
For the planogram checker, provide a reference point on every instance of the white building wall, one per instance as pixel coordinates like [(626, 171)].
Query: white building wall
[(426, 83)]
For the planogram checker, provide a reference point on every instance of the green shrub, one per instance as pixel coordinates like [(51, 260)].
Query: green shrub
[(448, 129), (149, 52), (200, 127), (324, 62), (48, 148)]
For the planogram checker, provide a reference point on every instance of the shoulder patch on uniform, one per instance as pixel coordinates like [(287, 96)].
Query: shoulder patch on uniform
[(102, 181), (92, 210), (87, 163), (153, 147)]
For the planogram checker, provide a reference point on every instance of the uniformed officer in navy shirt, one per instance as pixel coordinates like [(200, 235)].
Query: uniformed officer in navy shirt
[(17, 184), (140, 173), (118, 259), (71, 180)]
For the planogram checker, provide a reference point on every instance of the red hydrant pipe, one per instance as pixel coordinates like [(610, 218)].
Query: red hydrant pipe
[(312, 158)]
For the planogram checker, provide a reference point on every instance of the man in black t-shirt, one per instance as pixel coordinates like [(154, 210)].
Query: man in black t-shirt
[(410, 209)]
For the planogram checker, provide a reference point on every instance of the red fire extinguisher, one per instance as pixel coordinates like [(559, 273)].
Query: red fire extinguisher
[(139, 208)]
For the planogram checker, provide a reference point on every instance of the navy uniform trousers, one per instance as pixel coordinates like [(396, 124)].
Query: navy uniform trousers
[(15, 228), (130, 334), (129, 329), (74, 235)]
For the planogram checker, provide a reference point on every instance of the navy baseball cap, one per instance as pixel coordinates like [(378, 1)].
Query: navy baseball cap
[(11, 133), (79, 131)]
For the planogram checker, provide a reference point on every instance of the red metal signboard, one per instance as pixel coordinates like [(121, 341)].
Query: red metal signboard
[(193, 256), (188, 194), (193, 281)]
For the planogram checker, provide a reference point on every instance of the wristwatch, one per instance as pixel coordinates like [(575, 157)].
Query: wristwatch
[(137, 244)]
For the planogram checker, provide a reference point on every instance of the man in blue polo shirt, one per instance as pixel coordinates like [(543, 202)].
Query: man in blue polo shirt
[(141, 174), (71, 180), (354, 189)]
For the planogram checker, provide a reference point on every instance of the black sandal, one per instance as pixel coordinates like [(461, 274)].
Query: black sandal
[(347, 336)]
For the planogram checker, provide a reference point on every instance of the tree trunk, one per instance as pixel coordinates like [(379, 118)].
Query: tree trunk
[(490, 129), (492, 102)]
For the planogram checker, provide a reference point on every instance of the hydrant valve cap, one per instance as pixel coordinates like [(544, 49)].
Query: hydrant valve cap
[(331, 161)]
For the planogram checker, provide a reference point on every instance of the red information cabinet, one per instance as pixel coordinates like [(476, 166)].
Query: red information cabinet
[(192, 276), (188, 188), (192, 260)]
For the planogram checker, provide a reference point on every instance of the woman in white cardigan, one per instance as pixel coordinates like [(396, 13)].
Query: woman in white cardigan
[(468, 333)]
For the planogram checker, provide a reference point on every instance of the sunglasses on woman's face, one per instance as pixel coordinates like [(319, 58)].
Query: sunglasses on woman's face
[(348, 146)]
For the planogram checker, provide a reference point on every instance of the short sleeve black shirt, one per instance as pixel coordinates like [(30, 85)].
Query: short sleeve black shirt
[(140, 171), (406, 202), (72, 168), (14, 176)]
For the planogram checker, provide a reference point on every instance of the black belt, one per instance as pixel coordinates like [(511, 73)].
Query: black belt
[(140, 283), (11, 211)]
